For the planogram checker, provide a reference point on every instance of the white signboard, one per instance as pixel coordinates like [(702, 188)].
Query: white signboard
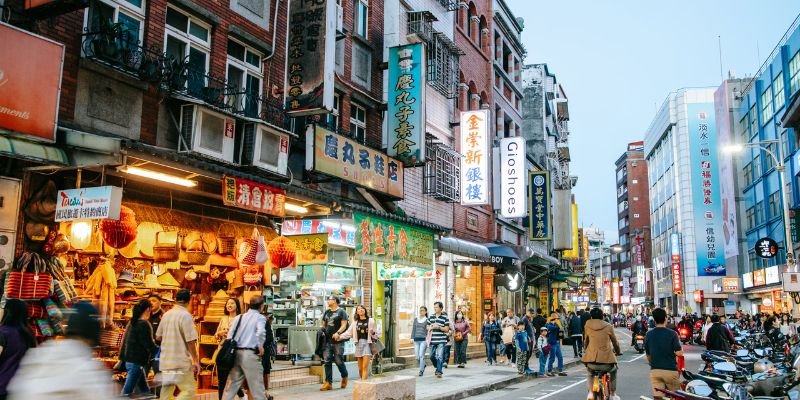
[(101, 202), (475, 161), (512, 177)]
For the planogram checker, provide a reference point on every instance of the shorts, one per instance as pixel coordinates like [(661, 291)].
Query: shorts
[(664, 379), (362, 348)]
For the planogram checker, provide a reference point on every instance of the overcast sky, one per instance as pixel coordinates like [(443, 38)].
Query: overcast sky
[(618, 60)]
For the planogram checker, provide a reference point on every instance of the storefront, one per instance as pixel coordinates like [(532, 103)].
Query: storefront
[(763, 289)]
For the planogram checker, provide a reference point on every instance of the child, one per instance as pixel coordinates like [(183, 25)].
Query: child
[(541, 342), (521, 343)]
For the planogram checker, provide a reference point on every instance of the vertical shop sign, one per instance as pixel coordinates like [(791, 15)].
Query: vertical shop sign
[(406, 108), (512, 177), (310, 57), (253, 196), (475, 161), (675, 250), (727, 190), (381, 240), (705, 190), (543, 294), (539, 196), (615, 291)]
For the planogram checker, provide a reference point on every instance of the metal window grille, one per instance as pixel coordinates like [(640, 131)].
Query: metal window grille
[(443, 65), (420, 23), (449, 5), (442, 178)]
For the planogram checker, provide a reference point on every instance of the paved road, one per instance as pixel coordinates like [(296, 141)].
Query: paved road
[(632, 379)]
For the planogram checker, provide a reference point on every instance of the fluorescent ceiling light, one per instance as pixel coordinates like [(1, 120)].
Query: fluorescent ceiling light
[(146, 173), (295, 208)]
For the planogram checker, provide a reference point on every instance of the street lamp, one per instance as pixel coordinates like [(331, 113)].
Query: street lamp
[(778, 159)]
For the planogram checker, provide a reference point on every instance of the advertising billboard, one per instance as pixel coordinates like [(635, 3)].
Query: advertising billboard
[(512, 177), (705, 190), (382, 240), (475, 181), (727, 190), (406, 104), (539, 196)]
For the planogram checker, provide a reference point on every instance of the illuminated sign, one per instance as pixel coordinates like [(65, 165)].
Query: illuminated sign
[(747, 280), (539, 196), (475, 161), (677, 281), (406, 108), (512, 177)]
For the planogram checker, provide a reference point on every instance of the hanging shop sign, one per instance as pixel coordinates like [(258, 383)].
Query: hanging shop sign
[(759, 278), (747, 280), (310, 57), (675, 246), (406, 108), (730, 285), (253, 196), (475, 163), (677, 281), (511, 281), (391, 272), (30, 82), (539, 196), (766, 247), (101, 202), (310, 249), (512, 177), (777, 301), (340, 232), (543, 300), (772, 275), (381, 240), (615, 291), (347, 159), (698, 296)]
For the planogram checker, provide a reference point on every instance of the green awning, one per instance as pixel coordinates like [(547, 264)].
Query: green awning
[(18, 148)]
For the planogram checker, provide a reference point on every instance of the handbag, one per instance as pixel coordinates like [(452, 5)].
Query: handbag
[(376, 346), (119, 366), (458, 337), (227, 352), (546, 349)]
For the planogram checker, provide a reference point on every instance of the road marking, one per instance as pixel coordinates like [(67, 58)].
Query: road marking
[(635, 358), (624, 333), (560, 390)]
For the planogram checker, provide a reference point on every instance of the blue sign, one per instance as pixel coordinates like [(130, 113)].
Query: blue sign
[(539, 196), (406, 108), (706, 199)]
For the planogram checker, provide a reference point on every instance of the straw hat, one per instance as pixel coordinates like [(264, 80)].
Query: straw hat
[(146, 236), (151, 282), (131, 250), (167, 280)]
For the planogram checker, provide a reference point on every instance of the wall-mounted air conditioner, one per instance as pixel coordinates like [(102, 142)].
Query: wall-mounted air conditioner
[(265, 148), (207, 133)]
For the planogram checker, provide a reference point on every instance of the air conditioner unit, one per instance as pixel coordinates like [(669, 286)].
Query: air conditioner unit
[(265, 148), (339, 19), (207, 133)]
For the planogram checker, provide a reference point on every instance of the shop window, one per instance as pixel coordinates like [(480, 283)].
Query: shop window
[(766, 104), (358, 122), (362, 65), (751, 215), (333, 116), (187, 45), (244, 79), (777, 88), (774, 204), (361, 18), (442, 171)]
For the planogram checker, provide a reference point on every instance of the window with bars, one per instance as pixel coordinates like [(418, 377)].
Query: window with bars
[(443, 65), (450, 5), (442, 171)]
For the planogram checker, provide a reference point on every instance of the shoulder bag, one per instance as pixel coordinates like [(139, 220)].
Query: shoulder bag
[(227, 352)]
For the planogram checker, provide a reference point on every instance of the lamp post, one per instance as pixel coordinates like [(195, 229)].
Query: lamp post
[(778, 159)]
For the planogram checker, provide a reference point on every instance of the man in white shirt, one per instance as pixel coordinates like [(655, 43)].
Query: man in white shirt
[(249, 338)]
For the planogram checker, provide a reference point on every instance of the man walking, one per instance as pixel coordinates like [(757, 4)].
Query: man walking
[(532, 330), (662, 347), (334, 322), (439, 325), (718, 336), (249, 331), (178, 337)]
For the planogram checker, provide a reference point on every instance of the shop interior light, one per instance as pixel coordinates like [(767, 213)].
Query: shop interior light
[(295, 208), (146, 173), (80, 234)]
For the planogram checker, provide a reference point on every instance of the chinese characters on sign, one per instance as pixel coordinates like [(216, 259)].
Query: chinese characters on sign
[(512, 177), (705, 190), (475, 161), (88, 203), (253, 196), (675, 250), (539, 196), (339, 233), (766, 248), (341, 157), (311, 249), (381, 240), (310, 57), (406, 112)]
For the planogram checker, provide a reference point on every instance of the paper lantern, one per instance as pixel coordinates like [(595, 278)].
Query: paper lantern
[(80, 234), (119, 233), (282, 252)]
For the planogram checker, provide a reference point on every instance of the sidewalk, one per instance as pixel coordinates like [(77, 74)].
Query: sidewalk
[(457, 383)]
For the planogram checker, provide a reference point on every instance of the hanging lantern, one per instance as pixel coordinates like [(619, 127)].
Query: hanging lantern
[(80, 234), (281, 252), (119, 233)]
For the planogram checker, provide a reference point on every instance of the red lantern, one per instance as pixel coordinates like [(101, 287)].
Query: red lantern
[(282, 252), (119, 233)]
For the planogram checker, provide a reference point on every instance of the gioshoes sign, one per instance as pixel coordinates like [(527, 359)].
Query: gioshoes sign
[(30, 82), (512, 177)]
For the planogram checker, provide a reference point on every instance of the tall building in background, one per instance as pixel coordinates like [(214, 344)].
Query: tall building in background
[(632, 264), (687, 239)]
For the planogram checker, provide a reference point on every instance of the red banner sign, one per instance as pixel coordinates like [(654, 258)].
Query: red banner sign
[(677, 282), (253, 196)]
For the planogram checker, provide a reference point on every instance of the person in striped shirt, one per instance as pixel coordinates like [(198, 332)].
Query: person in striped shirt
[(439, 326)]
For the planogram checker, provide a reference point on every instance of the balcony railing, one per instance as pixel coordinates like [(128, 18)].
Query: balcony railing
[(119, 48)]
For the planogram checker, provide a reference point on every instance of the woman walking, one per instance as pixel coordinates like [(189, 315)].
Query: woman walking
[(419, 334), (461, 338), (489, 334), (138, 347), (17, 339), (362, 331), (269, 352), (232, 309), (575, 328)]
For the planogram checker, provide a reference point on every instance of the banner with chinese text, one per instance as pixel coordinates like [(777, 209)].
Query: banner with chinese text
[(406, 112), (253, 196), (381, 240), (339, 233), (539, 196), (311, 249), (475, 183)]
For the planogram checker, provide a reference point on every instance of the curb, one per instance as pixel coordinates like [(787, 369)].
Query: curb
[(475, 391)]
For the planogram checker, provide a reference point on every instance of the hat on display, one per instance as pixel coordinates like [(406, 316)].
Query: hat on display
[(167, 280), (167, 297), (190, 275), (151, 281), (125, 278)]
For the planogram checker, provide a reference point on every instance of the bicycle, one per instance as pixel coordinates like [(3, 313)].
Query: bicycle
[(601, 380)]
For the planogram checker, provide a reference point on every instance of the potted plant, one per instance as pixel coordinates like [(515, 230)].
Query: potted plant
[(104, 43)]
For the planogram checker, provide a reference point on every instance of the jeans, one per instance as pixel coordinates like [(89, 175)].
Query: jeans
[(334, 353), (446, 354), (461, 352), (136, 379), (511, 353), (542, 362), (555, 351), (437, 354), (577, 345), (491, 351), (419, 352)]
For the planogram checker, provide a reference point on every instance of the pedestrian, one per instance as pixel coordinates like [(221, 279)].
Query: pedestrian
[(419, 334), (438, 325), (178, 362), (542, 350), (510, 319), (232, 309), (718, 336), (508, 342), (602, 348), (461, 333), (249, 332), (533, 324), (65, 369), (585, 317), (447, 347), (269, 350), (489, 333), (521, 343), (334, 321), (362, 330), (138, 347), (555, 333), (786, 326), (17, 338), (662, 347), (156, 311), (575, 329)]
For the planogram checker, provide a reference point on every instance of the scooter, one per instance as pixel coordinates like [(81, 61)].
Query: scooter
[(638, 343), (684, 335)]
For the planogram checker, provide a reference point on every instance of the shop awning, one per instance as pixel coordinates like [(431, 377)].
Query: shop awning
[(533, 255), (18, 148), (464, 248), (503, 256)]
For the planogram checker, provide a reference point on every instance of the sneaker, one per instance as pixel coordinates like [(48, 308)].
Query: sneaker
[(420, 373), (551, 374), (461, 366), (439, 375), (445, 365), (529, 372), (562, 374)]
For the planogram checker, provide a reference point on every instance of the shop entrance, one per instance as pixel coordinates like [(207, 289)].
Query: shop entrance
[(410, 295)]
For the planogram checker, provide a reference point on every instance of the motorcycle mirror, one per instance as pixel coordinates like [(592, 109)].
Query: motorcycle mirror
[(742, 352), (725, 367), (699, 387), (759, 352)]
